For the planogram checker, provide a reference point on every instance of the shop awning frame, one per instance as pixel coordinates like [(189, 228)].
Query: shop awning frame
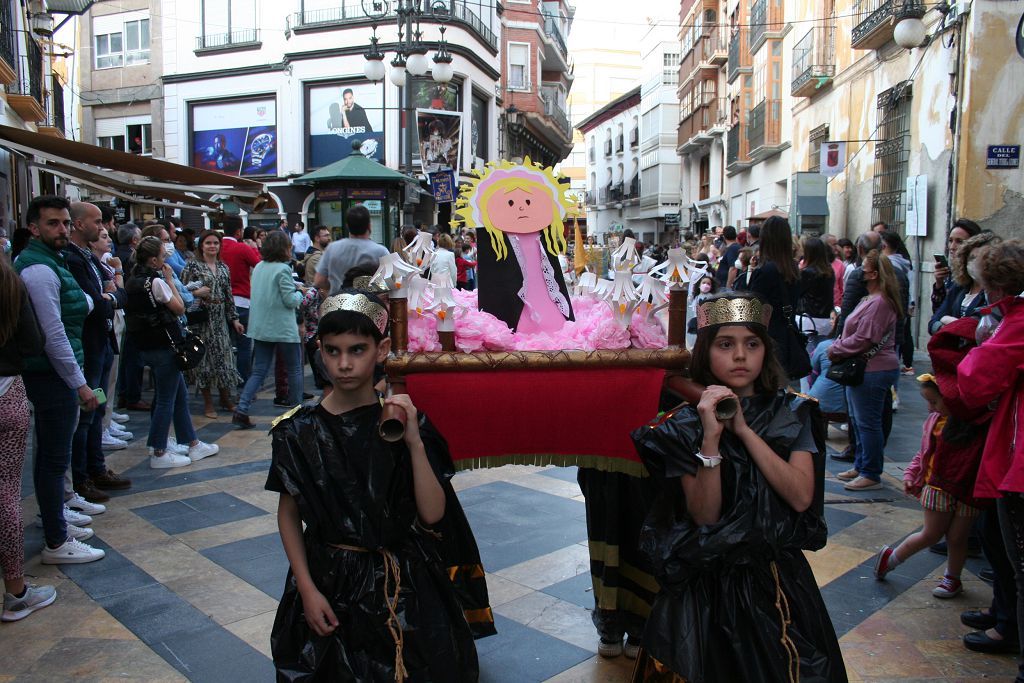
[(130, 176)]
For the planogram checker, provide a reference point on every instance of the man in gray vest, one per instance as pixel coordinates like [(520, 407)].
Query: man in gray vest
[(54, 380)]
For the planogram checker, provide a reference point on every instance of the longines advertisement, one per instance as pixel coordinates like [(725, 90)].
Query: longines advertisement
[(339, 114), (236, 138)]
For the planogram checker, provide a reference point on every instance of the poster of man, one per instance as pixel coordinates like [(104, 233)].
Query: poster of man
[(236, 138), (339, 114), (440, 135)]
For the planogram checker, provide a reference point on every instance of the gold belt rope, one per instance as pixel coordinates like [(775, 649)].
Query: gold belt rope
[(392, 588), (782, 605)]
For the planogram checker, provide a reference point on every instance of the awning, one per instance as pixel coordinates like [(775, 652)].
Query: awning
[(353, 167), (811, 205), (765, 215), (129, 176)]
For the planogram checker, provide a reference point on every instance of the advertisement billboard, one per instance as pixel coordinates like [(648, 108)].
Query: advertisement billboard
[(339, 114), (440, 136), (237, 138)]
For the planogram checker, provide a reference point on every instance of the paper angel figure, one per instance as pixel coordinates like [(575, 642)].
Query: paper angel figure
[(519, 211), (392, 272), (418, 290), (444, 306), (622, 297), (421, 249), (624, 258), (586, 284)]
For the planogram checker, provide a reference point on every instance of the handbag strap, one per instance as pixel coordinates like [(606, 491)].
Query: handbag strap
[(870, 353)]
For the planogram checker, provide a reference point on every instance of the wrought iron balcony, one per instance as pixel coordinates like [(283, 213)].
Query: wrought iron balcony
[(634, 138), (556, 113), (814, 60), (56, 118), (8, 46), (739, 55), (26, 95), (552, 31), (352, 12), (222, 41), (634, 187), (619, 144), (879, 19)]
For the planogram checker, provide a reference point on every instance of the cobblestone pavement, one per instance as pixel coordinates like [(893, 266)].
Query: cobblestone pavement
[(194, 568)]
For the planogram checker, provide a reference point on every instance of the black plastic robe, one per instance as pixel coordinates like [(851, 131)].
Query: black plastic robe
[(738, 599), (354, 489)]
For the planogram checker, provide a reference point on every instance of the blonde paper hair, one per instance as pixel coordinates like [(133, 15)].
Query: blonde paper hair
[(504, 176)]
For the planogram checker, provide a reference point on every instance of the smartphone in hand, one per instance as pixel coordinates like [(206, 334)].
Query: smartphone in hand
[(941, 260)]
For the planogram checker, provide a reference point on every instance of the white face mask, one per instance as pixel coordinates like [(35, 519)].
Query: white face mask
[(168, 248), (705, 287), (738, 264), (972, 270)]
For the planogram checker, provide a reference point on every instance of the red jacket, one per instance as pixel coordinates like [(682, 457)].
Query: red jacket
[(945, 466), (461, 266), (993, 372), (240, 259)]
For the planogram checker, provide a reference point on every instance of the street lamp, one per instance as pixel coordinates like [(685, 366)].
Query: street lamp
[(410, 55)]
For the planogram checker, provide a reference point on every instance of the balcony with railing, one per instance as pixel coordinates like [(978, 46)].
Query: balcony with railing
[(26, 95), (552, 31), (352, 13), (878, 19), (247, 38), (633, 192), (555, 112), (620, 144), (616, 193), (54, 123), (764, 132), (634, 138), (766, 21), (737, 155), (608, 147), (8, 46), (739, 54), (708, 116), (814, 60)]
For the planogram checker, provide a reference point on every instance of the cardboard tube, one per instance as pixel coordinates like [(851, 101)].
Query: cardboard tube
[(726, 409), (392, 420)]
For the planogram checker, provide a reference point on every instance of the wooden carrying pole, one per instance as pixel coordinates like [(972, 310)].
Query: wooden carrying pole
[(677, 317)]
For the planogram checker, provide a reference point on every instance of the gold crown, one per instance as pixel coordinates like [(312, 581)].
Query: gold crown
[(733, 311), (358, 303)]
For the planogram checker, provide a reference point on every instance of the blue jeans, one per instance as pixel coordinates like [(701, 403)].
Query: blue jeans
[(56, 416), (263, 356), (170, 404), (867, 405), (129, 371), (87, 447), (243, 345)]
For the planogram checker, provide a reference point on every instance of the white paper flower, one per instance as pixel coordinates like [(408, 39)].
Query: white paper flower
[(622, 297), (678, 270), (444, 307), (652, 292), (392, 273), (586, 284)]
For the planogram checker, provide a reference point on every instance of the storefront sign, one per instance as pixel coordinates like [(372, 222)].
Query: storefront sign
[(360, 193), (1003, 156), (237, 138), (442, 183), (671, 220), (339, 114), (332, 194)]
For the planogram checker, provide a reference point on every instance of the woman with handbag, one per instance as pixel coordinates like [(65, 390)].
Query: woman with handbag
[(217, 368), (817, 286), (151, 316), (777, 282), (868, 348)]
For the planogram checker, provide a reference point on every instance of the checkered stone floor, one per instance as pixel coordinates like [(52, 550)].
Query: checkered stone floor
[(194, 567)]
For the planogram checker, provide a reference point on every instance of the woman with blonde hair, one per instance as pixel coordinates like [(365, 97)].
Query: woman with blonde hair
[(869, 331)]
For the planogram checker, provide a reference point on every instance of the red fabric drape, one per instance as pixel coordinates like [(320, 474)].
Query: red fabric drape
[(560, 416)]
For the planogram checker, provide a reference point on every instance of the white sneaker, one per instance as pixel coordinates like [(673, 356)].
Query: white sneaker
[(111, 443), (118, 417), (72, 551), (76, 502), (79, 533), (168, 461), (71, 517), (202, 450), (115, 431), (179, 448), (35, 597)]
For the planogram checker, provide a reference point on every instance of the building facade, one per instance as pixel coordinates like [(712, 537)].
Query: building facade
[(536, 79), (612, 139), (275, 103), (34, 76)]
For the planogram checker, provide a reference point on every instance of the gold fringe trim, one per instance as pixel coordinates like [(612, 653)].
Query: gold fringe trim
[(595, 462), (782, 605)]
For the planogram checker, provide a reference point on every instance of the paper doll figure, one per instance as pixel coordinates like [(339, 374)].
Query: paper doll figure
[(519, 213)]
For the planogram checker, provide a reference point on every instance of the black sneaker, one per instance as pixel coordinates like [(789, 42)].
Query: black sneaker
[(282, 402), (242, 421)]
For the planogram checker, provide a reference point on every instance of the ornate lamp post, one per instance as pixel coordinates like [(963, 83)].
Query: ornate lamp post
[(410, 53)]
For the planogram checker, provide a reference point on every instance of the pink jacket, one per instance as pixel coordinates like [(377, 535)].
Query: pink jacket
[(993, 372), (914, 474)]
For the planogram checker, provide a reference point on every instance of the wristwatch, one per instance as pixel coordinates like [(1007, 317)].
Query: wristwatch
[(709, 460)]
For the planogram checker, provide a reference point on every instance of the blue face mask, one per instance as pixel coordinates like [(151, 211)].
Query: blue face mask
[(7, 246)]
